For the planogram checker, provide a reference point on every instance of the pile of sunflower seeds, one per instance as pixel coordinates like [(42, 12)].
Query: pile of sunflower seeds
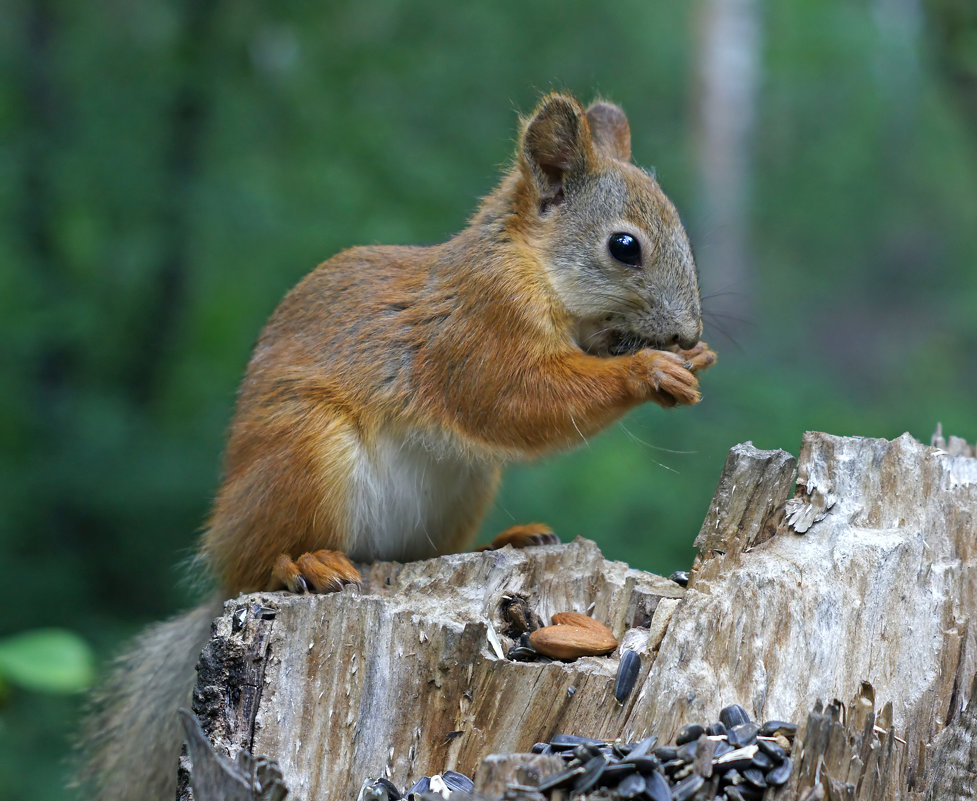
[(734, 759)]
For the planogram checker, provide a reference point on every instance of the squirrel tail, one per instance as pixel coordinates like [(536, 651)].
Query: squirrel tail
[(131, 738)]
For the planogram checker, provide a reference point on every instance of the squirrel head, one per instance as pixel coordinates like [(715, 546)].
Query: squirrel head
[(611, 242)]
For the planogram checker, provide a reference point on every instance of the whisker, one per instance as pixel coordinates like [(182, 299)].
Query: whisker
[(635, 438), (723, 331), (723, 293)]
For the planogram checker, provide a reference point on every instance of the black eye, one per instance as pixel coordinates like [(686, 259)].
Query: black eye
[(625, 248)]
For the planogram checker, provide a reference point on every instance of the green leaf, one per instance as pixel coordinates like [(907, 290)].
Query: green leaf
[(47, 660)]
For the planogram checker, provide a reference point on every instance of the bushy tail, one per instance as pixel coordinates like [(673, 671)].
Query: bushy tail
[(132, 737)]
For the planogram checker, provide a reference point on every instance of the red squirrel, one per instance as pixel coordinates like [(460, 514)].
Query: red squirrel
[(391, 385)]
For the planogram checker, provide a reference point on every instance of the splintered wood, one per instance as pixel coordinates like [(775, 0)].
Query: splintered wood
[(840, 600)]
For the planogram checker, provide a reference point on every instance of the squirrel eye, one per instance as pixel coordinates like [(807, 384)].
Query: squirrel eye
[(625, 248)]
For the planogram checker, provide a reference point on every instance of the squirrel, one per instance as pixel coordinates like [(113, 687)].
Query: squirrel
[(392, 384)]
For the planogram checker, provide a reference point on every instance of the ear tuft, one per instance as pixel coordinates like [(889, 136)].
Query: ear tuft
[(556, 142), (610, 130)]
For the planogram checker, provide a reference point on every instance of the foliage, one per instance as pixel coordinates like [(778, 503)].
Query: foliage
[(46, 660), (172, 167)]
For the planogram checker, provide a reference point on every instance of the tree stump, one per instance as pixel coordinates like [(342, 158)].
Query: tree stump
[(835, 591)]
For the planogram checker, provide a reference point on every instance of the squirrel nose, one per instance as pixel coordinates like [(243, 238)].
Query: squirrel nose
[(687, 336)]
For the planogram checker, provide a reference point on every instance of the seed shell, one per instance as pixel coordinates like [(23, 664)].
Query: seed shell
[(657, 789), (593, 769), (688, 787), (560, 779), (686, 752), (631, 785), (762, 761), (616, 771), (689, 733), (742, 735), (771, 748), (562, 742), (627, 675), (457, 781), (781, 773), (680, 577), (755, 777), (738, 760), (733, 715), (645, 765), (772, 727), (666, 753), (642, 748)]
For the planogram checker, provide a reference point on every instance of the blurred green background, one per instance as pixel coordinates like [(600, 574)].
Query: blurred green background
[(171, 169)]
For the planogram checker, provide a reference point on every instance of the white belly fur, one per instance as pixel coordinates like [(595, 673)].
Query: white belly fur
[(407, 494)]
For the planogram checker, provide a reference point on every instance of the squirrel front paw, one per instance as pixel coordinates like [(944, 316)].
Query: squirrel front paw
[(669, 378), (318, 571), (698, 358)]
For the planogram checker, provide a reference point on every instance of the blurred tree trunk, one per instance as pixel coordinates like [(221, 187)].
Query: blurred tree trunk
[(953, 29), (728, 42), (188, 116)]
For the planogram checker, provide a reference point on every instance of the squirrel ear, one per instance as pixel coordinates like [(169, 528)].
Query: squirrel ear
[(609, 127), (555, 143)]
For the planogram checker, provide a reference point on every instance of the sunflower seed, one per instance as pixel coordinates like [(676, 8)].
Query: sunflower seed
[(781, 773), (666, 753), (593, 769), (643, 747), (688, 787), (627, 675), (754, 777), (657, 789), (762, 761), (771, 748), (742, 735), (733, 715), (632, 785), (772, 727), (561, 779), (457, 781), (680, 577), (564, 742), (689, 733), (645, 765)]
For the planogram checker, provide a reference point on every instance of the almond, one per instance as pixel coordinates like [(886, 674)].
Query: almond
[(577, 619), (570, 642)]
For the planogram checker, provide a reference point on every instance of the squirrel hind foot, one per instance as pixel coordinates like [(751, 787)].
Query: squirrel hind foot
[(523, 536), (316, 572)]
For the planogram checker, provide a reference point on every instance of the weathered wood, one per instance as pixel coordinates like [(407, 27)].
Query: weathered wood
[(217, 778), (870, 604)]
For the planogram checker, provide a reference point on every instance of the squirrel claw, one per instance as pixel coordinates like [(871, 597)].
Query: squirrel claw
[(316, 572), (523, 536)]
